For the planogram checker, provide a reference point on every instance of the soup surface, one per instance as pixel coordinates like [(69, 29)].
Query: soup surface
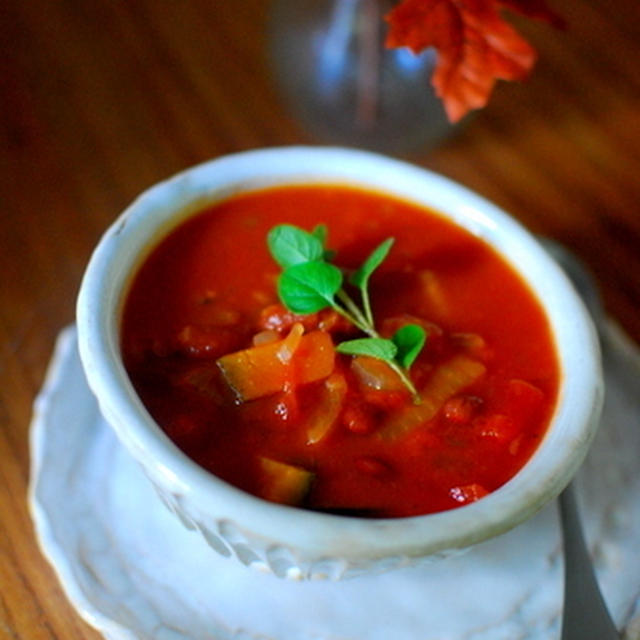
[(259, 395)]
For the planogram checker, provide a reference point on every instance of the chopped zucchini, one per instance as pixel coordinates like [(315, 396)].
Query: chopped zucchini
[(284, 483), (446, 381)]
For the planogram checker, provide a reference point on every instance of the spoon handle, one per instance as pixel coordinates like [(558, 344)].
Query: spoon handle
[(585, 613)]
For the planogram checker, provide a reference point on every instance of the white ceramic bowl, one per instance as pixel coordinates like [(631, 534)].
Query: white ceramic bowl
[(292, 542)]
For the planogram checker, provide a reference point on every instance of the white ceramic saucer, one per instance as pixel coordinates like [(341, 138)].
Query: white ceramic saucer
[(133, 572)]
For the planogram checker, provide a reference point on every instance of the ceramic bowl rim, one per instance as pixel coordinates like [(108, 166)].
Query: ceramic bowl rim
[(318, 534)]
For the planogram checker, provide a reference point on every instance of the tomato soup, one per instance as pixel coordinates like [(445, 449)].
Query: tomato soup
[(260, 396)]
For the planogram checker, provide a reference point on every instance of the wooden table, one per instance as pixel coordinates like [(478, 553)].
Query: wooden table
[(101, 99)]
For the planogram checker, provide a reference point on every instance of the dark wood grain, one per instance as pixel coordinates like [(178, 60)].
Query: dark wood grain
[(100, 99)]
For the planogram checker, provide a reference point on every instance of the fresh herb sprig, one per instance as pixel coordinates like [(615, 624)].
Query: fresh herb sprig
[(309, 283)]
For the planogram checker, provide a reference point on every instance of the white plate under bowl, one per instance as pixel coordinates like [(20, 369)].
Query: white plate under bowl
[(133, 572)]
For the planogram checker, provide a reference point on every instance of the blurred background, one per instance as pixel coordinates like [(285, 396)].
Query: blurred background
[(100, 99)]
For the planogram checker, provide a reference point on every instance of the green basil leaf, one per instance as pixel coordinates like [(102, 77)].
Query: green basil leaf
[(360, 278), (308, 287), (290, 245), (409, 340), (379, 348)]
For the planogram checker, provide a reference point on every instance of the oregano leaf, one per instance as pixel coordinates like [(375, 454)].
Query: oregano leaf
[(308, 287), (290, 245), (379, 348), (409, 341), (360, 278)]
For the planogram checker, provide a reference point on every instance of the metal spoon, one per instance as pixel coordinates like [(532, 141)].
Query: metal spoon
[(585, 616)]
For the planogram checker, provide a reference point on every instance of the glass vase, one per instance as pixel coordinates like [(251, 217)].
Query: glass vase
[(344, 86)]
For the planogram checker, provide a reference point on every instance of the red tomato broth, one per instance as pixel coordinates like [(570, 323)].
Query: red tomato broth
[(203, 292)]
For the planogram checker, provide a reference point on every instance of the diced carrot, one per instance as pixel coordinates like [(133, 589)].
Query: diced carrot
[(269, 368), (327, 409), (276, 317), (515, 444), (497, 426), (468, 493), (370, 466), (461, 409), (358, 418), (315, 357), (446, 381), (524, 400), (284, 483), (206, 342), (387, 400), (421, 441)]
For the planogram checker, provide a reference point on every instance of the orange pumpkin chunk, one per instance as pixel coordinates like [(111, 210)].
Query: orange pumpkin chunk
[(266, 369)]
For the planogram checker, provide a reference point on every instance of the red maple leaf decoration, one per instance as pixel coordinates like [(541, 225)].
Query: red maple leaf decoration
[(475, 46)]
